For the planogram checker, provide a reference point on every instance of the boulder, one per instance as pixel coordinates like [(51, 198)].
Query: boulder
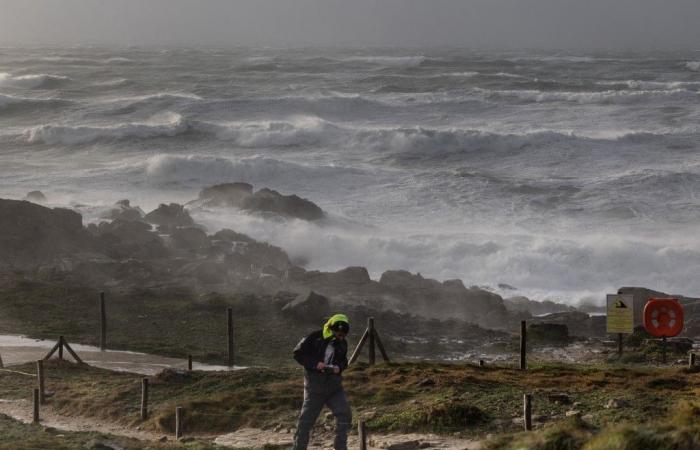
[(241, 195), (267, 200), (227, 194), (189, 239), (128, 239), (548, 333), (308, 306), (124, 211), (35, 197), (31, 233), (170, 216)]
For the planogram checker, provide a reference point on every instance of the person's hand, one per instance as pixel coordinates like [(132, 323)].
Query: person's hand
[(320, 365), (336, 370)]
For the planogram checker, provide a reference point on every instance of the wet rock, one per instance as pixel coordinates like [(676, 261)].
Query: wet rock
[(308, 306), (172, 215), (35, 197), (124, 211), (231, 236), (241, 195)]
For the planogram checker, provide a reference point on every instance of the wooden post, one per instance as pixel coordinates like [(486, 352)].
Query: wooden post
[(72, 353), (380, 346), (1, 363), (481, 363), (358, 349), (362, 434), (178, 422), (144, 399), (619, 344), (230, 337), (60, 347), (691, 360), (370, 329), (189, 363), (103, 323), (663, 350), (40, 380), (527, 411), (523, 345), (35, 416)]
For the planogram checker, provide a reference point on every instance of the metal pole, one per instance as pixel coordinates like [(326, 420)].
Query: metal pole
[(663, 349), (103, 323), (619, 344), (230, 337), (527, 411), (523, 345), (144, 399), (40, 380)]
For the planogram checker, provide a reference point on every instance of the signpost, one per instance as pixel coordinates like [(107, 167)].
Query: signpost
[(620, 316)]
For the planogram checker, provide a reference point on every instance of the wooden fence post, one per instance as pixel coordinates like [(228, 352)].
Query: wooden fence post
[(362, 434), (370, 327), (619, 344), (189, 363), (523, 345), (144, 399), (178, 422), (35, 415), (60, 347), (1, 363), (40, 380), (691, 360), (103, 323), (230, 336), (481, 363), (527, 411)]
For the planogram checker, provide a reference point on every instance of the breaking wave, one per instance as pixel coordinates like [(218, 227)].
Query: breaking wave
[(38, 81), (693, 65)]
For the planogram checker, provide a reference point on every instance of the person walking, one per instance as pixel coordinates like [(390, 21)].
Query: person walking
[(324, 355)]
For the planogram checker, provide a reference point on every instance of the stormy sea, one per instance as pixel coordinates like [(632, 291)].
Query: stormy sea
[(552, 175)]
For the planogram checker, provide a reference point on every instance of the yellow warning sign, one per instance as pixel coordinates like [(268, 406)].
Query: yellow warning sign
[(620, 314)]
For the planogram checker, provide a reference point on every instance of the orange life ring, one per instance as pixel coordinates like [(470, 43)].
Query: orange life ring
[(663, 317)]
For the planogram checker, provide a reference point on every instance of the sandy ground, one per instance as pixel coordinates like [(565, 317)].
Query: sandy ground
[(19, 349)]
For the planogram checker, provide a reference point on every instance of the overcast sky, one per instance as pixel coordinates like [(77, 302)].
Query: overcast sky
[(557, 24)]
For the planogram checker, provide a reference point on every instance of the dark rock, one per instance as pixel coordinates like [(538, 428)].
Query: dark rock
[(535, 308), (128, 239), (308, 306), (124, 211), (559, 397), (36, 197), (228, 194), (172, 215), (241, 195), (32, 233), (189, 238), (267, 200), (548, 333), (231, 236)]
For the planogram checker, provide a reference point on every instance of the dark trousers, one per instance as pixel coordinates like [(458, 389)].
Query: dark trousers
[(323, 390)]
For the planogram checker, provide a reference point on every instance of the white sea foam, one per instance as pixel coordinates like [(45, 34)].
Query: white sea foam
[(693, 65), (390, 61), (82, 134), (32, 81)]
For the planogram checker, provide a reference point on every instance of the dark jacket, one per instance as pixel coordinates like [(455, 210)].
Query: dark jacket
[(312, 349)]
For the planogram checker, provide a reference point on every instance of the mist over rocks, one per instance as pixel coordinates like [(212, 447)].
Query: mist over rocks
[(169, 216), (241, 195), (124, 211)]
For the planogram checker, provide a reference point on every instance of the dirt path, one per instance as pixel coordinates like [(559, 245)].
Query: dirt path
[(22, 410), (244, 438), (257, 439)]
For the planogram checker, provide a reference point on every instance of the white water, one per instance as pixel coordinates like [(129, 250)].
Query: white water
[(566, 176)]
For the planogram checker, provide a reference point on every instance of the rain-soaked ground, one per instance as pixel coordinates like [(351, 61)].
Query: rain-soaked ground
[(19, 350)]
